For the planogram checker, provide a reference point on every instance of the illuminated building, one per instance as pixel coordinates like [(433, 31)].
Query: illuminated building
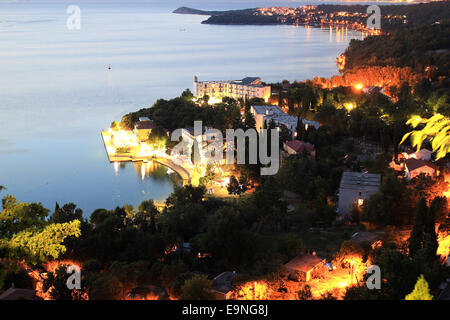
[(415, 167), (247, 88), (267, 113), (143, 128), (303, 265), (298, 147), (356, 187), (124, 141)]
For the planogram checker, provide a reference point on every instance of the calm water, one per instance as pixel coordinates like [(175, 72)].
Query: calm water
[(56, 92)]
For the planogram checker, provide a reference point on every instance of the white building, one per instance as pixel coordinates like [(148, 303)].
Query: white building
[(268, 113), (356, 187), (247, 88)]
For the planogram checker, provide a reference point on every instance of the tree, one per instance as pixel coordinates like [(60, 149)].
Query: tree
[(430, 236), (37, 246), (158, 137), (67, 213), (187, 94), (417, 233), (56, 285), (233, 186), (145, 217), (16, 216), (115, 125), (421, 290), (436, 129), (105, 287), (249, 120), (197, 288), (127, 121), (301, 133), (243, 183), (26, 234)]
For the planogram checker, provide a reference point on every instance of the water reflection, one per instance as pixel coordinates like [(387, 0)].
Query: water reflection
[(149, 170)]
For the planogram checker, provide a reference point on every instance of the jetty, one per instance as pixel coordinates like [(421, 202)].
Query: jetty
[(114, 156)]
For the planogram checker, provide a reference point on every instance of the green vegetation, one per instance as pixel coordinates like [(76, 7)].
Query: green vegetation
[(26, 234), (424, 49), (421, 290)]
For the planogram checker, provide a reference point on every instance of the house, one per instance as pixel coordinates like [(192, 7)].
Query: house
[(423, 154), (356, 187), (143, 128), (369, 237), (298, 147), (222, 284), (247, 88), (410, 153), (266, 113), (303, 265), (415, 167), (19, 294)]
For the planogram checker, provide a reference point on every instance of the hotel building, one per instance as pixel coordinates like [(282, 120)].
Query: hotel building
[(247, 88)]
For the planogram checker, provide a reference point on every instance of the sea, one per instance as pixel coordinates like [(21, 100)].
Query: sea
[(57, 91)]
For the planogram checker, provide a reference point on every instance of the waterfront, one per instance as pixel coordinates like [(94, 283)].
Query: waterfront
[(57, 92)]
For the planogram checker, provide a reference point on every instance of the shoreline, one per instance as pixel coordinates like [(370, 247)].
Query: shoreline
[(122, 157)]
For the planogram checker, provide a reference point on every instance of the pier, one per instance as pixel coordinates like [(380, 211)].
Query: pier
[(113, 156)]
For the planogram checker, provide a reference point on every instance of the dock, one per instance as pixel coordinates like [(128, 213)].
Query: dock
[(113, 156)]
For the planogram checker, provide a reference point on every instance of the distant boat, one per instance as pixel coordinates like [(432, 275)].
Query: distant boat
[(182, 29)]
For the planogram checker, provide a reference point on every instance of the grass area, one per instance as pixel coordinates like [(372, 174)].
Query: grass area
[(327, 241)]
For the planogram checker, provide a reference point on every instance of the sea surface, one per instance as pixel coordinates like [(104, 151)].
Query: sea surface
[(57, 93)]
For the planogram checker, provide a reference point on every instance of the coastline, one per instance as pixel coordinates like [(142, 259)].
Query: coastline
[(123, 157)]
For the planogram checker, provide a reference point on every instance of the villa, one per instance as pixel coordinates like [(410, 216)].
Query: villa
[(247, 88), (415, 167)]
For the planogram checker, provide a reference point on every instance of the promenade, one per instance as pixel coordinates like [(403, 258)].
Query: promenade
[(160, 158)]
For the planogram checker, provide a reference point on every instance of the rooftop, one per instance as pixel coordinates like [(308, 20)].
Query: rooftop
[(192, 131), (222, 282), (247, 81), (144, 124), (19, 294), (303, 263), (268, 110), (413, 164), (300, 146), (364, 236), (360, 180)]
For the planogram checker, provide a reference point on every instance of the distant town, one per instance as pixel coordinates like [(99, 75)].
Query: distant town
[(336, 16)]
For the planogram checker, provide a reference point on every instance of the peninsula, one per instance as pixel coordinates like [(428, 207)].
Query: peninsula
[(350, 16)]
